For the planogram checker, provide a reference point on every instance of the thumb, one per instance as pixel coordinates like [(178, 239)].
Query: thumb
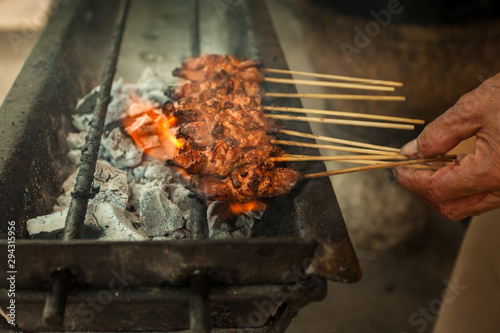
[(459, 123)]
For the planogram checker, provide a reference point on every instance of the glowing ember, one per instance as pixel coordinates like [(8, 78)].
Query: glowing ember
[(242, 208), (151, 130)]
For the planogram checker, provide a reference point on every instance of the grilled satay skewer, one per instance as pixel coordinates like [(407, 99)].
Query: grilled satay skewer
[(229, 150)]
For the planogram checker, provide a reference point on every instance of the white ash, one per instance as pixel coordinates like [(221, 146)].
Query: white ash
[(179, 195), (158, 214), (81, 122), (120, 150), (137, 197), (67, 187), (87, 104), (103, 221), (74, 157), (112, 223), (76, 140), (112, 183), (149, 87)]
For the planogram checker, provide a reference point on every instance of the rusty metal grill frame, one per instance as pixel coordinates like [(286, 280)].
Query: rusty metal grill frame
[(318, 247)]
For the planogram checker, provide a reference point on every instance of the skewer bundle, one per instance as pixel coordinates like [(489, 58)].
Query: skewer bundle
[(230, 150)]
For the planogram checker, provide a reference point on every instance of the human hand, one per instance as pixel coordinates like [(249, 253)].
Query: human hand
[(471, 185)]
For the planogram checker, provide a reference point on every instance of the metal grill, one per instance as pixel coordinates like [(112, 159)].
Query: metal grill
[(200, 284)]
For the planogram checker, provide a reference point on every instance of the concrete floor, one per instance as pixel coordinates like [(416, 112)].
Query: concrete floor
[(398, 283)]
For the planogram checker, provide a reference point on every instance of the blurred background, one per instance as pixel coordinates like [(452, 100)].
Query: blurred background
[(440, 50)]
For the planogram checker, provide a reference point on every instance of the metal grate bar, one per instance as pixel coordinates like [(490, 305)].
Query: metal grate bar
[(195, 39), (55, 305), (85, 176)]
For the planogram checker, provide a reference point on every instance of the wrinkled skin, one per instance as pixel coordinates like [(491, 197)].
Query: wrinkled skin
[(470, 186)]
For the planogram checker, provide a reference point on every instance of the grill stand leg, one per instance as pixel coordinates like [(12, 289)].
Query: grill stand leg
[(55, 304), (199, 318)]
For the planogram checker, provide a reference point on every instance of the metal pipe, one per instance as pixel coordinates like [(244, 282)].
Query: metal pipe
[(195, 41), (199, 316), (55, 303), (85, 176), (198, 218)]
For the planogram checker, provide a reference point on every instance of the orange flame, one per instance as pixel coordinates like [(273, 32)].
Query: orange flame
[(151, 130), (237, 208)]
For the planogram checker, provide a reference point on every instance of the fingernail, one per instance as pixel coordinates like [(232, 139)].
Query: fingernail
[(410, 149)]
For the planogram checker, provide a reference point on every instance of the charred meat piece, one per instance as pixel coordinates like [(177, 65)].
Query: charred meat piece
[(248, 183), (197, 133), (207, 67), (222, 158)]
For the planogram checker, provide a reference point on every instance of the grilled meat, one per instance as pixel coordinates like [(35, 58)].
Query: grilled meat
[(228, 143), (220, 159), (250, 182), (204, 68)]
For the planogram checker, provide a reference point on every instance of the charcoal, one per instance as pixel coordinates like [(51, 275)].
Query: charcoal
[(158, 214), (81, 121), (179, 195), (130, 175), (157, 170), (157, 96), (86, 105), (177, 234), (112, 184), (134, 195), (139, 173), (103, 221), (143, 126), (113, 187), (244, 225), (219, 220), (139, 107), (108, 222), (76, 140), (67, 187), (151, 87), (116, 108), (120, 150), (48, 226), (223, 224), (222, 231), (174, 235), (74, 157)]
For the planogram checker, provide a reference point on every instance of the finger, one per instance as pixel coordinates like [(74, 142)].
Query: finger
[(472, 205), (448, 183), (460, 122), (414, 180), (443, 134)]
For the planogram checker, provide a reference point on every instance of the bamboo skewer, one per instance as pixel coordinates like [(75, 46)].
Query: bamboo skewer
[(337, 158), (372, 162), (335, 77), (339, 96), (332, 147), (329, 84), (355, 159), (345, 114), (379, 166), (341, 141), (342, 121)]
